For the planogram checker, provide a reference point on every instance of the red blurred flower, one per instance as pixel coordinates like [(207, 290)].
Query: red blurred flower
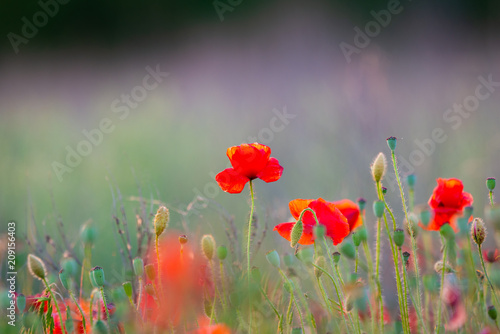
[(447, 202), (206, 328), (337, 226), (351, 211), (249, 161), (491, 256)]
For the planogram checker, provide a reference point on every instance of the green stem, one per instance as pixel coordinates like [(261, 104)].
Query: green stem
[(250, 220), (139, 298), (159, 271), (412, 233), (106, 309), (406, 288), (223, 297), (493, 293), (80, 309), (57, 305), (443, 270), (377, 275), (492, 202)]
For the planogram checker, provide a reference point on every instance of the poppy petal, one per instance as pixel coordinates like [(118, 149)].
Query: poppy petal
[(285, 229), (336, 223), (249, 159), (230, 181), (272, 172), (298, 205), (351, 211)]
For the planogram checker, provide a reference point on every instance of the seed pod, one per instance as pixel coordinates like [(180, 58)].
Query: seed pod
[(70, 266), (150, 271), (447, 232), (63, 277), (425, 217), (138, 265), (127, 287), (21, 302), (399, 237), (88, 234), (97, 277), (361, 204), (161, 220), (336, 257), (296, 233), (208, 246), (348, 250), (490, 183), (99, 327), (36, 267), (183, 239), (273, 258), (378, 208), (391, 142), (378, 167), (411, 180), (150, 290), (356, 239), (492, 312), (222, 252)]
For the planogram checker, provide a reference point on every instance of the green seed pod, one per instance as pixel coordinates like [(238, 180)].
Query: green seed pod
[(36, 267), (222, 252), (336, 257), (348, 250), (183, 239), (478, 231), (161, 220), (127, 287), (289, 259), (97, 274), (99, 327), (305, 255), (138, 265), (411, 180), (361, 204), (296, 233), (150, 271), (378, 167), (319, 231), (320, 262), (447, 232), (378, 208), (363, 234), (492, 312), (63, 277), (406, 256), (273, 258), (208, 246), (356, 239), (69, 266), (21, 302), (490, 183), (391, 142), (425, 217), (354, 277), (399, 237), (88, 234)]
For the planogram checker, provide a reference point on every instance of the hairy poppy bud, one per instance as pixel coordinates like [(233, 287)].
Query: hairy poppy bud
[(183, 239), (438, 267), (490, 183), (425, 217), (361, 203), (127, 287), (21, 302), (208, 246), (305, 255), (70, 266), (222, 252), (336, 257), (378, 167), (36, 267), (411, 180), (320, 262), (88, 234), (492, 312), (150, 271), (150, 290), (378, 208), (207, 307), (63, 277), (319, 231), (273, 258), (161, 220), (97, 277), (391, 142), (399, 237), (363, 234), (296, 233), (478, 231), (348, 250), (356, 239), (411, 224), (138, 265)]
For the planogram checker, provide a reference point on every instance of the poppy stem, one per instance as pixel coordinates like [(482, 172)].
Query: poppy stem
[(72, 295), (250, 220), (108, 318), (57, 305), (492, 202), (493, 293), (440, 301)]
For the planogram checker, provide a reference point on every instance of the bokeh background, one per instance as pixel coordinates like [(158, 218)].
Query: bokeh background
[(234, 66)]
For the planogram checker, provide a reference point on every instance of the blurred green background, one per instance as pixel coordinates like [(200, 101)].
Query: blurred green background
[(228, 80)]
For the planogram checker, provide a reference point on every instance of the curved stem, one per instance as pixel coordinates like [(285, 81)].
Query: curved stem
[(108, 318), (57, 305)]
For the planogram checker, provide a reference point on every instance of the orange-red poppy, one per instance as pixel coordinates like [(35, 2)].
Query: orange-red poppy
[(351, 211), (249, 161), (447, 202), (336, 224)]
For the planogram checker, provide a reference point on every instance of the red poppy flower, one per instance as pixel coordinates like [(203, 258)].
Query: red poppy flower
[(447, 202), (351, 211), (249, 161), (491, 256), (337, 226)]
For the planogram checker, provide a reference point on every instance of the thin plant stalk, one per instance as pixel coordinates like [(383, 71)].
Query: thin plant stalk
[(72, 296), (440, 306), (493, 293), (106, 309), (250, 220), (55, 302)]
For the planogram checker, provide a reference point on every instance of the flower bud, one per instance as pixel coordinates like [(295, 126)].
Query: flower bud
[(391, 142), (411, 180), (63, 277), (150, 271), (99, 327), (492, 312), (363, 234), (183, 239), (361, 204), (438, 267), (348, 250), (150, 290), (411, 225), (161, 220), (289, 259), (305, 255), (478, 231), (208, 246), (127, 287), (273, 258), (36, 267), (207, 307), (378, 209), (222, 252), (447, 232), (296, 233), (320, 262), (425, 217), (319, 231), (21, 302), (378, 167), (399, 237), (88, 234), (336, 257), (97, 277), (138, 265), (490, 183), (70, 266)]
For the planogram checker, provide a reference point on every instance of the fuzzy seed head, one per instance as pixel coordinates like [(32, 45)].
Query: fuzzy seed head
[(296, 233), (490, 183), (273, 258), (208, 246), (391, 142), (161, 220), (378, 167), (478, 231), (36, 267)]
